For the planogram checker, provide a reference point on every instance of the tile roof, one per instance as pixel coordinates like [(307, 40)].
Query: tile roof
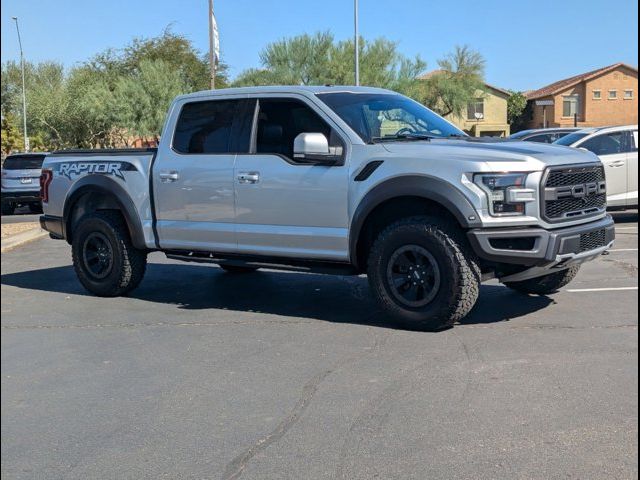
[(561, 85)]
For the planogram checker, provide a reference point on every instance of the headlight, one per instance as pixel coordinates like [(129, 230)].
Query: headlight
[(506, 192)]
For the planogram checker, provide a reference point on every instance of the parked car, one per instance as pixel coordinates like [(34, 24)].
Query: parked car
[(343, 180), (20, 182), (542, 135), (617, 148)]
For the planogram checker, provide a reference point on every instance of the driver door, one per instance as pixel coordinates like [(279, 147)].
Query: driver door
[(285, 207)]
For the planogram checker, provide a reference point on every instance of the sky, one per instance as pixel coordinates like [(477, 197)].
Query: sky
[(526, 44)]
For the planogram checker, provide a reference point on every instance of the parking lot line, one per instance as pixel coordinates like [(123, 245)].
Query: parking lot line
[(611, 289), (624, 250), (626, 228)]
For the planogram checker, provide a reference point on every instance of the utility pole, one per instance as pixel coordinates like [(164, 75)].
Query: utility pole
[(24, 94), (356, 42), (213, 46)]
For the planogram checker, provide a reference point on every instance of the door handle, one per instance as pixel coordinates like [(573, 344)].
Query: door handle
[(170, 176), (617, 163), (248, 177)]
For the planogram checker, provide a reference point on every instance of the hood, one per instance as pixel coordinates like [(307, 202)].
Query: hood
[(496, 153)]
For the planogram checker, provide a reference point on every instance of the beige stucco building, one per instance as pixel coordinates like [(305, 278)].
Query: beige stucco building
[(486, 116), (603, 97)]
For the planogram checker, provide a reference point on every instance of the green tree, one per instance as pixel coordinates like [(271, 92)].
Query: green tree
[(175, 50), (319, 59), (144, 97), (516, 106), (12, 139), (449, 90)]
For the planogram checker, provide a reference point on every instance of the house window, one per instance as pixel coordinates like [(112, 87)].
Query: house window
[(613, 94), (628, 94), (570, 105), (475, 110), (597, 94)]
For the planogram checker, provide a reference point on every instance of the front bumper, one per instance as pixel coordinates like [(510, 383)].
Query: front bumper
[(21, 196), (540, 247)]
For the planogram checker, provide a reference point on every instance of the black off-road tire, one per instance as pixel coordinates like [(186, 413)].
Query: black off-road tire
[(547, 284), (128, 264), (459, 273), (8, 208), (35, 207), (237, 268)]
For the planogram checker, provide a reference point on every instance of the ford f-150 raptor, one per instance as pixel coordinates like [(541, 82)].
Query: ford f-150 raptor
[(345, 180)]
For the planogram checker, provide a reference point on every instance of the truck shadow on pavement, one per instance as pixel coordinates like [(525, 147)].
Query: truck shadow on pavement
[(322, 297)]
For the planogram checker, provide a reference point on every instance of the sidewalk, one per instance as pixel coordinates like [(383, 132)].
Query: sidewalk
[(15, 234)]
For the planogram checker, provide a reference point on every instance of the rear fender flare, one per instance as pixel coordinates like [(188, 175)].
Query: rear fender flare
[(110, 188)]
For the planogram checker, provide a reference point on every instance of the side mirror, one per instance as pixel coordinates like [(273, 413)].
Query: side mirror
[(314, 148)]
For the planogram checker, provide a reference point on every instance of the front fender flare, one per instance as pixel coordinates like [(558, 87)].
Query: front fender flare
[(423, 186)]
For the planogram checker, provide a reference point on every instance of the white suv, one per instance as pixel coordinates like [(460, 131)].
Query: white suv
[(617, 147)]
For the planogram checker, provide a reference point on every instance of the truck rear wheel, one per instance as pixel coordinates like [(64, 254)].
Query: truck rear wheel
[(421, 274), (105, 261), (546, 284)]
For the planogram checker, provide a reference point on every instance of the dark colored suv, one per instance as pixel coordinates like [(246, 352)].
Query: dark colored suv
[(542, 135), (21, 182)]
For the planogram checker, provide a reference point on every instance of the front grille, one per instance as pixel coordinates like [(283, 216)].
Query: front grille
[(592, 240), (575, 207), (573, 192), (566, 177)]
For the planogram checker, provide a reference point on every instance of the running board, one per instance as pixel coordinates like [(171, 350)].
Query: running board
[(273, 263)]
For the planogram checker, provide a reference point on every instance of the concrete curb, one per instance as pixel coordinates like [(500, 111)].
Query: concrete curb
[(21, 238)]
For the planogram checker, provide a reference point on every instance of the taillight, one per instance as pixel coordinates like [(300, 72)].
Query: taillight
[(45, 180)]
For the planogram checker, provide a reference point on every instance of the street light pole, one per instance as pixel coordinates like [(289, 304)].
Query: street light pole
[(24, 94), (355, 42)]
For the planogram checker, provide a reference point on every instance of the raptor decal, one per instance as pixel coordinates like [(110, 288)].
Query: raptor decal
[(75, 169)]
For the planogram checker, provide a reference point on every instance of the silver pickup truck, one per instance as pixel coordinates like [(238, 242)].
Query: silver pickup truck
[(343, 180)]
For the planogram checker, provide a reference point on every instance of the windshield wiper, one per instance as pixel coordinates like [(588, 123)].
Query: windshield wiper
[(403, 136)]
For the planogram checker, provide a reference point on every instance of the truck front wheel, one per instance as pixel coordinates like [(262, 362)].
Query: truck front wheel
[(546, 284), (105, 261), (422, 275)]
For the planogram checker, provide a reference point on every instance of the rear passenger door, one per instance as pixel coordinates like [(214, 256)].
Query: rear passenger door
[(285, 207), (612, 149), (193, 175)]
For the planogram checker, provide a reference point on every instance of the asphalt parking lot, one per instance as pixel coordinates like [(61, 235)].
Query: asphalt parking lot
[(203, 374)]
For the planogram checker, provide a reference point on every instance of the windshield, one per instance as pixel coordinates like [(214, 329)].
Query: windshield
[(380, 116), (570, 139), (27, 162)]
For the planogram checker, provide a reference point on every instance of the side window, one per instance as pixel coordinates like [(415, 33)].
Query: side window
[(544, 138), (634, 141), (280, 121), (209, 127), (606, 144)]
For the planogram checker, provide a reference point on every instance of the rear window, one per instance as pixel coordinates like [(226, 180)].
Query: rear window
[(208, 127), (31, 162)]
